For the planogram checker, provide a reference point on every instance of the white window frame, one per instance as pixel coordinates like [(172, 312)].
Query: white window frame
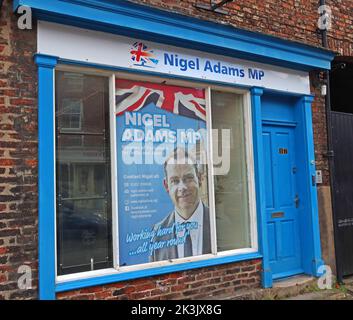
[(79, 128), (116, 269)]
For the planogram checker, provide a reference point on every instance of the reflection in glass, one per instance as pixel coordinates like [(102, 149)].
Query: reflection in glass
[(83, 226), (231, 189), (83, 173)]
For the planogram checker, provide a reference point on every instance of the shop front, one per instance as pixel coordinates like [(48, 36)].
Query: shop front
[(167, 144)]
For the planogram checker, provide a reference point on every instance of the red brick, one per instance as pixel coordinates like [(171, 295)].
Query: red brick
[(171, 276), (83, 297), (8, 92), (146, 287), (7, 162), (102, 295), (160, 291), (172, 296), (31, 162), (179, 287), (129, 290), (22, 102), (140, 295), (91, 290), (118, 285)]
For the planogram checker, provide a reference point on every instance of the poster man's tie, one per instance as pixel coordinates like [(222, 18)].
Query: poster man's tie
[(188, 245)]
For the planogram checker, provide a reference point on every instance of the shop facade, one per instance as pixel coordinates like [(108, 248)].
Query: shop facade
[(125, 90)]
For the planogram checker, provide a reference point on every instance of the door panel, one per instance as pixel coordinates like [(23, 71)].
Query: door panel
[(281, 208), (283, 166), (271, 234), (288, 246), (268, 168)]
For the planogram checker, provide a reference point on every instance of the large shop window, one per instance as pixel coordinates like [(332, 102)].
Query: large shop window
[(175, 200), (231, 186)]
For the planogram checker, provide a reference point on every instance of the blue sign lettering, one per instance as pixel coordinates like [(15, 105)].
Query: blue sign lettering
[(256, 74), (183, 64)]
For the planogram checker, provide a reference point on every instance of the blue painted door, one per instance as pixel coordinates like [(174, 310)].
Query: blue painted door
[(282, 201)]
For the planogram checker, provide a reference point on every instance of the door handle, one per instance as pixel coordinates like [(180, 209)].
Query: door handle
[(296, 201)]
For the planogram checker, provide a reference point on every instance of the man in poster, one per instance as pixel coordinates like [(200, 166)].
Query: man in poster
[(186, 230)]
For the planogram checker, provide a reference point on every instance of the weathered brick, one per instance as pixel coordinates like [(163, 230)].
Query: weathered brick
[(17, 87), (140, 295), (160, 291), (172, 296), (118, 292)]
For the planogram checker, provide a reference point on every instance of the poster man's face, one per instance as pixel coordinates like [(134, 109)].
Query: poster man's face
[(182, 184)]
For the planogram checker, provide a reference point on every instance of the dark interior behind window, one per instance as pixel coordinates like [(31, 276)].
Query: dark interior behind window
[(84, 219)]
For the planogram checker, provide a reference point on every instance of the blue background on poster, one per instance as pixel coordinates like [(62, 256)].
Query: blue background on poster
[(136, 218)]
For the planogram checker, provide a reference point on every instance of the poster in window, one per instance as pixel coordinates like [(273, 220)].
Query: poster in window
[(162, 172)]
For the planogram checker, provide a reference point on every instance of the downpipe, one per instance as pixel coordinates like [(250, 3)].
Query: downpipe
[(330, 153)]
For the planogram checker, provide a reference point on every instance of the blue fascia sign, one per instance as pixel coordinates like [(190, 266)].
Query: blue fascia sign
[(209, 66)]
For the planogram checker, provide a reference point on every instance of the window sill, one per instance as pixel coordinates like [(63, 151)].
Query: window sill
[(102, 277)]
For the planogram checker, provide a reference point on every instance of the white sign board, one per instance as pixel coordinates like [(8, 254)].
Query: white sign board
[(107, 49)]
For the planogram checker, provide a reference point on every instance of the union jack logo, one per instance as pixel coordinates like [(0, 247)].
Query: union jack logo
[(143, 56), (133, 96)]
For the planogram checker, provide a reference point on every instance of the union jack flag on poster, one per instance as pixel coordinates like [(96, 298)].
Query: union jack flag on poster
[(133, 96), (142, 56)]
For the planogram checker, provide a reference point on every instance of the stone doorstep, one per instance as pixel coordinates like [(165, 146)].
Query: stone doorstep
[(289, 287), (292, 286)]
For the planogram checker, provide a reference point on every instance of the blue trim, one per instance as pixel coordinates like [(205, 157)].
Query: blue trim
[(283, 93), (142, 22), (279, 123), (67, 286), (46, 180), (283, 275), (47, 287), (309, 231), (256, 94), (316, 260)]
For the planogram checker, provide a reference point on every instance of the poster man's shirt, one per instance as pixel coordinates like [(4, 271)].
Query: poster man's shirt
[(196, 234)]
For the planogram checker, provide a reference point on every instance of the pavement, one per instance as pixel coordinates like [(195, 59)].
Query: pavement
[(300, 287), (338, 292), (323, 295)]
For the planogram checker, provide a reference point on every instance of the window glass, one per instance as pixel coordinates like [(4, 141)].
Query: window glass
[(162, 181), (231, 186), (84, 217), (163, 185), (71, 114)]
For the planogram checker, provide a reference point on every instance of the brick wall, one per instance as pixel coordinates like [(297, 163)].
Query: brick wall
[(18, 155), (290, 19), (320, 135), (202, 283)]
